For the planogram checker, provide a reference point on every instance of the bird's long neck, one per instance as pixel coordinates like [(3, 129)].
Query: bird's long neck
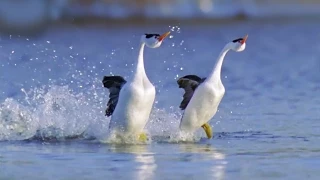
[(216, 72), (140, 63)]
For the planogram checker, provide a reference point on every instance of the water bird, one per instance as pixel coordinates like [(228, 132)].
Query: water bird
[(203, 95), (130, 101)]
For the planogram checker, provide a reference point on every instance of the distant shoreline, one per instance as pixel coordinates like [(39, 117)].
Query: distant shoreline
[(87, 21), (110, 23)]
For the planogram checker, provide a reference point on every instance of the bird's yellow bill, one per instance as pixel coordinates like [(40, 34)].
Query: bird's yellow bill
[(207, 128), (143, 137), (244, 39), (164, 36)]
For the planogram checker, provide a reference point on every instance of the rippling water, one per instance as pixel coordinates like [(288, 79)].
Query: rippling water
[(267, 127)]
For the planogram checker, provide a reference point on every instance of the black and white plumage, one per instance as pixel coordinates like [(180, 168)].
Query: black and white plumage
[(189, 83), (114, 84), (131, 100), (203, 96)]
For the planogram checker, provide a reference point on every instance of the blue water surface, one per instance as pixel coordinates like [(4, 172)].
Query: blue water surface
[(267, 127)]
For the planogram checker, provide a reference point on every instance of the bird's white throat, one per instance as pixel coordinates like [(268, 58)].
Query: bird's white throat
[(140, 71), (215, 75)]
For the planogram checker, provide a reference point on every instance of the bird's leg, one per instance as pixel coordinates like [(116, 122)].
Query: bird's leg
[(207, 128)]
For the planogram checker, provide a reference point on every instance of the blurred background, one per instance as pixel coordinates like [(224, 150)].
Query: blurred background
[(22, 16)]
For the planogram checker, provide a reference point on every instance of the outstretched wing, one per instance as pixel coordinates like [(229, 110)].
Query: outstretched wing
[(189, 83), (114, 84)]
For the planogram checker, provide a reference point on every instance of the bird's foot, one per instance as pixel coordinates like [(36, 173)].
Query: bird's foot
[(207, 128), (143, 137)]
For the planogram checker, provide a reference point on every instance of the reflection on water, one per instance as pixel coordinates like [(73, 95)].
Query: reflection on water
[(206, 161), (145, 160), (217, 162), (147, 167)]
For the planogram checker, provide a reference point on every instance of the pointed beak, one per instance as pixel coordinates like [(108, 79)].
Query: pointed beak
[(244, 39), (164, 36)]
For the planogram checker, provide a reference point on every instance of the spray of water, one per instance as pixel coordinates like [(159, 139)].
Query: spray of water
[(68, 101), (59, 113)]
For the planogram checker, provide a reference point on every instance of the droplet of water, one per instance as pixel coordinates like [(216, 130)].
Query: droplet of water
[(70, 47), (48, 42), (178, 29)]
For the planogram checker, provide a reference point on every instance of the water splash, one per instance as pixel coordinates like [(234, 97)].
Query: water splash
[(54, 113), (16, 121), (59, 113)]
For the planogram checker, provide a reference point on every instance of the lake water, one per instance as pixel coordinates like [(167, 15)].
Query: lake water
[(268, 127)]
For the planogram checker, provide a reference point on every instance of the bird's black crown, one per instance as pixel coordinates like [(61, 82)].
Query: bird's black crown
[(237, 40), (151, 35)]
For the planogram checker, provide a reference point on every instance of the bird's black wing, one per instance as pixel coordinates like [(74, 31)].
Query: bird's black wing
[(114, 84), (189, 83)]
